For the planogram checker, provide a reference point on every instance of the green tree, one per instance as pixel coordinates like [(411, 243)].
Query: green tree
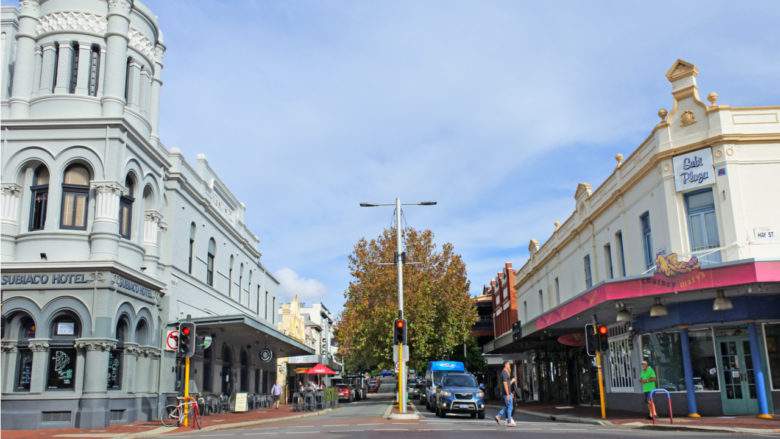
[(437, 305)]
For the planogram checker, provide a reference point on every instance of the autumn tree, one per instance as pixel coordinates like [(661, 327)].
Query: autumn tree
[(437, 305)]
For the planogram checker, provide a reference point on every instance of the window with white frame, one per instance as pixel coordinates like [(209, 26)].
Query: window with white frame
[(621, 370)]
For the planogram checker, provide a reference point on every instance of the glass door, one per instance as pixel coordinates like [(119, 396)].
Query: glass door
[(738, 387)]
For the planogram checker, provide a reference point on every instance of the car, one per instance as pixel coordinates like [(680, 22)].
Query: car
[(360, 384), (374, 384), (437, 370), (346, 392), (460, 393)]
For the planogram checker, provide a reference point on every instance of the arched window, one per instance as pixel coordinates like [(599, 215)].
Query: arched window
[(65, 329), (94, 68), (210, 262), (39, 198), (208, 359), (114, 381), (244, 371), (193, 230), (142, 333), (230, 277), (22, 328), (75, 195), (126, 207)]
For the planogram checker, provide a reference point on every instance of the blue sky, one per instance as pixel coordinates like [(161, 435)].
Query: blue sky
[(494, 109)]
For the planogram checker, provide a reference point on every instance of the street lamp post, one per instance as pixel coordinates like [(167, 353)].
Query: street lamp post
[(399, 263)]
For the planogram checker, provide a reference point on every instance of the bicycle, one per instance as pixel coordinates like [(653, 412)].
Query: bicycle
[(174, 414)]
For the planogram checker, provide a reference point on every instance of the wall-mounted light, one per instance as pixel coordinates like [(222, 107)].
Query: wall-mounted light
[(658, 309), (721, 302), (623, 315)]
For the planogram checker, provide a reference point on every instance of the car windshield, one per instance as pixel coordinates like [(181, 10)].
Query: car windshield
[(459, 381)]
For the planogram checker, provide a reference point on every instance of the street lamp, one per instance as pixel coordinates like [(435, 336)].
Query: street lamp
[(399, 263)]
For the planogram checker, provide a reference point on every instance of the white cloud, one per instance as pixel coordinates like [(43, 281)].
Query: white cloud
[(305, 288)]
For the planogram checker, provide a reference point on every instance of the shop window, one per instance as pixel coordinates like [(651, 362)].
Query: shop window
[(75, 195), (126, 208), (647, 239), (210, 262), (703, 226), (705, 370), (114, 381), (24, 356), (664, 353), (588, 274), (773, 352), (39, 199), (62, 354)]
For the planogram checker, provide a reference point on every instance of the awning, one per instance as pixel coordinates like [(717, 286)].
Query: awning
[(320, 369), (242, 329)]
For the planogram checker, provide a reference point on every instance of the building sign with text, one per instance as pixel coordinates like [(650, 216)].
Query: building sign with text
[(693, 170)]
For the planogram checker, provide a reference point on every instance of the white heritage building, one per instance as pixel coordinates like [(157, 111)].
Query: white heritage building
[(108, 238)]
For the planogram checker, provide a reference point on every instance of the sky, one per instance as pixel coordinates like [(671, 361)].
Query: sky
[(494, 109)]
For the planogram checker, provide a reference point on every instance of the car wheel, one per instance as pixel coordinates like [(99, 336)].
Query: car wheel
[(481, 415)]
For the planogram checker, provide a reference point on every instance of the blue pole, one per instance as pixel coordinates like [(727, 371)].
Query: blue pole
[(758, 371), (693, 411)]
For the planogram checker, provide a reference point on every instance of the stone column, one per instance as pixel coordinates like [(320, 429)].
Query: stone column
[(40, 352), (113, 99), (21, 90), (10, 198), (93, 411), (104, 237), (37, 71), (129, 369), (142, 383), (144, 89), (46, 84), (9, 354), (64, 61), (101, 81), (85, 58), (154, 98), (134, 81), (152, 225)]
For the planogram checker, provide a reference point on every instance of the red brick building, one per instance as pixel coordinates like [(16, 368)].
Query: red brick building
[(502, 293)]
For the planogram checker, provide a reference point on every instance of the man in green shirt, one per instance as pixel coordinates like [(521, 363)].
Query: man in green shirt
[(648, 380)]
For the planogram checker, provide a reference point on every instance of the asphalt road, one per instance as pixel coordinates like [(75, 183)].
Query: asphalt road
[(364, 419)]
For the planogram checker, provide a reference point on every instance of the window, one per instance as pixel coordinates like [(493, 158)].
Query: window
[(265, 305), (273, 309), (240, 281), (208, 358), (619, 240), (257, 304), (114, 380), (608, 260), (647, 239), (24, 358), (257, 380), (541, 302), (193, 230), (126, 208), (244, 371), (94, 68), (230, 277), (622, 373), (703, 225), (588, 275), (525, 310), (557, 292), (74, 66), (248, 288), (664, 353), (128, 78), (75, 193), (39, 198), (705, 370), (772, 334), (210, 262), (62, 354)]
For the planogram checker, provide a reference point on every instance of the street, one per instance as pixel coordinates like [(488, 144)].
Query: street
[(365, 419)]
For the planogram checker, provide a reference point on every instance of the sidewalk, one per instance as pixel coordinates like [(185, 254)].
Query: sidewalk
[(154, 428), (592, 415)]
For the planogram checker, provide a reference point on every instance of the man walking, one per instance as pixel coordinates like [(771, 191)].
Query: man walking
[(506, 390), (276, 393), (648, 380)]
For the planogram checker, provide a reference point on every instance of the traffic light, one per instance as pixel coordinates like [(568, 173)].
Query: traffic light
[(603, 338), (399, 332), (187, 339)]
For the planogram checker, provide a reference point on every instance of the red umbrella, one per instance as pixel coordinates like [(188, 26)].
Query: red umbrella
[(320, 369)]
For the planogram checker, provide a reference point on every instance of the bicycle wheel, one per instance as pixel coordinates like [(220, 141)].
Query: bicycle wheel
[(170, 418)]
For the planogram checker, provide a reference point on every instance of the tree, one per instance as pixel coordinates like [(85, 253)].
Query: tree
[(437, 305)]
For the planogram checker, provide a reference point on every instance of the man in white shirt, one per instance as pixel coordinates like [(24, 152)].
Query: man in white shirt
[(276, 393)]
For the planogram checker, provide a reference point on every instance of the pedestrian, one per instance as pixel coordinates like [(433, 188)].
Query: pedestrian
[(648, 380), (276, 394), (506, 391)]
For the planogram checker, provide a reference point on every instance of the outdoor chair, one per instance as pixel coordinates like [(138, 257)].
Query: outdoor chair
[(224, 403), (309, 401), (298, 400)]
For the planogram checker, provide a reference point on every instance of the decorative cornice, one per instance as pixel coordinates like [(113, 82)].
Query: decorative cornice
[(133, 349), (120, 6), (107, 187), (38, 345), (153, 215), (93, 344), (11, 188), (139, 42), (8, 346), (70, 21)]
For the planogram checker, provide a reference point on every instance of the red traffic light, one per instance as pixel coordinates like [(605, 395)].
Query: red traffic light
[(399, 324), (185, 330), (603, 330)]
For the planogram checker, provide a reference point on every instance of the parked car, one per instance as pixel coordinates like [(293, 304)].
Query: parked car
[(373, 385), (359, 383), (346, 392), (412, 388), (460, 393)]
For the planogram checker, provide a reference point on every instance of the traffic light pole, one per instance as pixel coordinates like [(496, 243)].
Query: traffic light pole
[(399, 263), (600, 369), (185, 421)]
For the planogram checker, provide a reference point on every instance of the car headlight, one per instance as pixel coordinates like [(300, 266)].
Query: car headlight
[(480, 394), (445, 394)]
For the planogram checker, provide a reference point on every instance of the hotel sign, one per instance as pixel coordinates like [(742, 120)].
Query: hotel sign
[(46, 279), (693, 170)]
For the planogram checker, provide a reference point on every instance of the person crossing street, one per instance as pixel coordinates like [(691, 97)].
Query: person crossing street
[(506, 390)]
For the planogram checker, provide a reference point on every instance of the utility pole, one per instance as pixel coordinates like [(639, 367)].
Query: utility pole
[(400, 342)]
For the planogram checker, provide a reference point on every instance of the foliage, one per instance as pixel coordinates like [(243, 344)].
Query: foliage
[(474, 361), (437, 305)]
